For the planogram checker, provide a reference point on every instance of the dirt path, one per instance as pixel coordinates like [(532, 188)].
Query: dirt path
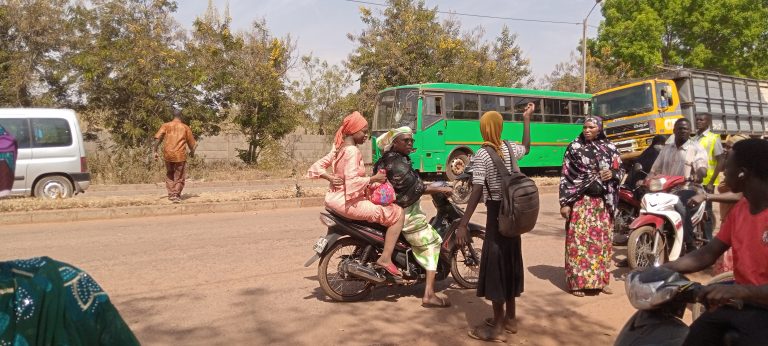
[(238, 279)]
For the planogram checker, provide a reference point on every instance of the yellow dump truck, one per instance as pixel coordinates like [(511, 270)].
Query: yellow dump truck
[(635, 112)]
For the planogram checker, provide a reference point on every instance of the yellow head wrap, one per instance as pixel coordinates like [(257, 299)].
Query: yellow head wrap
[(384, 142), (491, 124)]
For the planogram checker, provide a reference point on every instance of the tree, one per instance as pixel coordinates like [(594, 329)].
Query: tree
[(407, 45), (725, 36), (260, 105), (36, 40), (323, 91), (567, 75)]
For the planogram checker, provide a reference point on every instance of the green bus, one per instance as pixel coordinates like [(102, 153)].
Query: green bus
[(445, 118)]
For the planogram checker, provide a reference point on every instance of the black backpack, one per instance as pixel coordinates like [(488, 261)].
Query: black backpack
[(519, 197)]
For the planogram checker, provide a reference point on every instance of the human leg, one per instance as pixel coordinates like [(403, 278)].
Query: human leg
[(169, 181), (682, 208), (390, 239), (179, 177), (711, 327), (709, 223)]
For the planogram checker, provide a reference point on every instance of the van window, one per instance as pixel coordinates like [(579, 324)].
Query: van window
[(19, 128), (51, 132)]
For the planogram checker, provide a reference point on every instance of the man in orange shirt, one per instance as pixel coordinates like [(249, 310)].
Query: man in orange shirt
[(176, 136)]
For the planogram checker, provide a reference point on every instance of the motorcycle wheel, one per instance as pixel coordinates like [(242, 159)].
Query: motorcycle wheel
[(461, 191), (625, 213), (640, 248), (465, 268), (336, 284), (697, 308)]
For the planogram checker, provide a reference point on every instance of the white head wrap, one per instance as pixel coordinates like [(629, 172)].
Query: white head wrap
[(384, 142)]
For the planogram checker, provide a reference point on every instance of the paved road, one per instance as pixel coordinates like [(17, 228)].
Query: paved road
[(226, 279)]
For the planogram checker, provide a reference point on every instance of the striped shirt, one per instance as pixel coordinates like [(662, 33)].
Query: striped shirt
[(484, 170)]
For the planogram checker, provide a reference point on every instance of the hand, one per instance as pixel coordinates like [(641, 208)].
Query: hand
[(335, 180), (461, 235), (448, 191), (379, 178), (606, 174), (696, 200), (529, 109), (718, 295), (565, 212), (192, 153), (157, 157)]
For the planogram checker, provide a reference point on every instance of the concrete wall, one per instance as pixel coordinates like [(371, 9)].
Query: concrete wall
[(297, 147)]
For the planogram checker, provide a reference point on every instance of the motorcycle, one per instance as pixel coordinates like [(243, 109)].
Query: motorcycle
[(626, 212), (657, 233), (661, 297), (348, 253)]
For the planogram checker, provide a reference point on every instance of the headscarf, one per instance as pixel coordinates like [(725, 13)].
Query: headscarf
[(384, 142), (491, 124), (733, 139), (581, 167), (351, 124)]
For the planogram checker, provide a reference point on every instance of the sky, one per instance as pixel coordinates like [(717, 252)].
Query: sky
[(320, 27)]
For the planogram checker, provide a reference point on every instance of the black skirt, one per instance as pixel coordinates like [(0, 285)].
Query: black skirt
[(501, 262)]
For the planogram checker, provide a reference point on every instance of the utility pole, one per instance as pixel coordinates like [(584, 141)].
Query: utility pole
[(584, 49)]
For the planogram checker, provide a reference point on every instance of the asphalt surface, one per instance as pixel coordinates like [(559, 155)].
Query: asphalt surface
[(238, 279)]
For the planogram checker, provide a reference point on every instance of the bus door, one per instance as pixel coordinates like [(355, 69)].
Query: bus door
[(430, 141)]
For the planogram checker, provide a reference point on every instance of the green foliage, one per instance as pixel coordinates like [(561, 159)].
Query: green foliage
[(323, 91), (728, 36), (407, 45), (567, 75)]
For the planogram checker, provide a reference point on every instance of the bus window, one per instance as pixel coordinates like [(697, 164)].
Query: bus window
[(462, 106), (501, 104), (433, 110), (407, 102), (521, 102)]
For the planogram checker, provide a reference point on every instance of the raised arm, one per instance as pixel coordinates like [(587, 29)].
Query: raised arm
[(527, 126)]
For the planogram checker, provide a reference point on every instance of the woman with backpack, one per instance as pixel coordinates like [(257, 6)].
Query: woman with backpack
[(501, 261), (589, 187), (8, 153)]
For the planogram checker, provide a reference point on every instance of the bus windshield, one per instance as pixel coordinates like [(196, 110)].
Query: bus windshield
[(624, 102), (396, 108)]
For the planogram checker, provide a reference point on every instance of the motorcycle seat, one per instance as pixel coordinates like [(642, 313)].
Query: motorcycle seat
[(371, 225)]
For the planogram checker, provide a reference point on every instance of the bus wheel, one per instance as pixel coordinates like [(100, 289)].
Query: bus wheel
[(456, 164)]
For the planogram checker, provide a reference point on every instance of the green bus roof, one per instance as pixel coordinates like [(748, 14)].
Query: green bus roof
[(494, 90)]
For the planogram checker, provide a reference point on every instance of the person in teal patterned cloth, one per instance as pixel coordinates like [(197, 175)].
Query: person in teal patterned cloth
[(46, 302), (397, 144)]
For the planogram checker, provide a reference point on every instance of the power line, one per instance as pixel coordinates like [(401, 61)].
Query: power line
[(485, 16)]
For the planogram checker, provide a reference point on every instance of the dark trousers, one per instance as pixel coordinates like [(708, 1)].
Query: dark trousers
[(749, 323), (686, 213), (174, 177), (709, 223)]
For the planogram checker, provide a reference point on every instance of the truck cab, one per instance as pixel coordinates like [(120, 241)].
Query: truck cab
[(636, 112)]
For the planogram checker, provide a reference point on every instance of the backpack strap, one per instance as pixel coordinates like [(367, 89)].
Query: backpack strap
[(512, 158), (498, 161)]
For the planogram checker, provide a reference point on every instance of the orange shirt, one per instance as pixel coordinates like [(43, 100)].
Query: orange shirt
[(747, 235), (176, 135)]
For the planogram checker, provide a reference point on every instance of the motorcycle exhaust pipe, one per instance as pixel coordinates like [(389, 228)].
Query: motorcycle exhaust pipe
[(363, 272)]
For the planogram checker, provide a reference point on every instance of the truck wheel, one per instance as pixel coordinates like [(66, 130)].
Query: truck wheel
[(54, 187), (456, 164)]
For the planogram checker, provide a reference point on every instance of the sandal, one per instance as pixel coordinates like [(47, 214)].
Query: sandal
[(607, 290), (578, 293), (392, 270), (485, 333), (510, 330), (444, 303)]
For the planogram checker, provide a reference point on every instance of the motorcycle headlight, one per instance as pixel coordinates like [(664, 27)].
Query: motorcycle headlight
[(656, 184), (647, 296)]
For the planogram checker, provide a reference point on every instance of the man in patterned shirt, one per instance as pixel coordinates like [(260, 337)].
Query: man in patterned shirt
[(176, 136)]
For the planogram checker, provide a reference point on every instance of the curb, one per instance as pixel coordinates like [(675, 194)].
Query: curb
[(70, 215)]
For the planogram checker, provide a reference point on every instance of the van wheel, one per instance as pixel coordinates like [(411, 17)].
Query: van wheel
[(54, 187)]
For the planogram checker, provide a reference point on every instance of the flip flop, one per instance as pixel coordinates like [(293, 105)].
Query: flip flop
[(489, 322), (392, 270), (443, 304), (485, 334)]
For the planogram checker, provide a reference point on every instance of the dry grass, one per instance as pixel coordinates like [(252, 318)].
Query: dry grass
[(33, 204)]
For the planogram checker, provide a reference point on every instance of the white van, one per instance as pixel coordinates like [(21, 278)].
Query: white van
[(51, 161)]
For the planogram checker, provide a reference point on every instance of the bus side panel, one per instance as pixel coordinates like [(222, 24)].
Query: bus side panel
[(430, 145), (548, 141)]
